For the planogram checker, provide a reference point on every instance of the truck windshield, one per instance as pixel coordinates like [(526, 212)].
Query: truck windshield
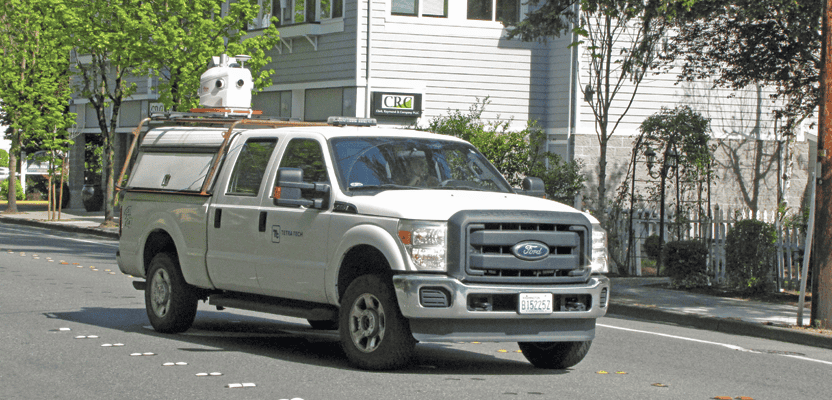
[(371, 164)]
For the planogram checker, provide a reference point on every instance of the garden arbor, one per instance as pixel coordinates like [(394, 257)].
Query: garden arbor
[(675, 140)]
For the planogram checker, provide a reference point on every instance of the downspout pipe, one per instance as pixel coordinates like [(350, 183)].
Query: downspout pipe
[(367, 87)]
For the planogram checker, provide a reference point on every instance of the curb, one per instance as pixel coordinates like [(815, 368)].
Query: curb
[(724, 325), (60, 226)]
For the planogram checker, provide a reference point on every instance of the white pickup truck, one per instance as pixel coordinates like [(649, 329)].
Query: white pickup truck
[(390, 236)]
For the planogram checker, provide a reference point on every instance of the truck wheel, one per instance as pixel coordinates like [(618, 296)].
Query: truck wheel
[(323, 325), (374, 333), (554, 355), (170, 301)]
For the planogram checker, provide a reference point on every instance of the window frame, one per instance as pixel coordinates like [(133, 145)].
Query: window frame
[(495, 11), (288, 8), (419, 10), (231, 187), (288, 156)]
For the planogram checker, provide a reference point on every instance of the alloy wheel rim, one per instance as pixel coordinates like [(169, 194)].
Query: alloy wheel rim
[(160, 293), (367, 323)]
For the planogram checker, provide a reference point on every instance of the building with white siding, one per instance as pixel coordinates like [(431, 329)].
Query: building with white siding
[(366, 58)]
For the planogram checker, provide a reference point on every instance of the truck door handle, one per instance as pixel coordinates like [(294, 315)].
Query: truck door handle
[(262, 226), (217, 218)]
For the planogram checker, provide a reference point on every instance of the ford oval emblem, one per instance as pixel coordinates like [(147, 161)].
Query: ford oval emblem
[(530, 251)]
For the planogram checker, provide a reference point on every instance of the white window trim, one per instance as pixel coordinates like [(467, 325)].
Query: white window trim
[(457, 13), (389, 10)]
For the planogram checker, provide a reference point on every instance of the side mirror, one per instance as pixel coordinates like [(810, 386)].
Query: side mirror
[(533, 187), (289, 186)]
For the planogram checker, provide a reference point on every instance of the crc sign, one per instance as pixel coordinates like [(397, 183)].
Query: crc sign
[(397, 104)]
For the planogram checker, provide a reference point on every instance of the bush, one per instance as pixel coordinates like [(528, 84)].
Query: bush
[(686, 263), (515, 154), (4, 190), (749, 255), (4, 158), (651, 247)]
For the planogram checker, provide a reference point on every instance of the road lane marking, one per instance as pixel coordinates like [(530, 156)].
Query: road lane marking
[(729, 346)]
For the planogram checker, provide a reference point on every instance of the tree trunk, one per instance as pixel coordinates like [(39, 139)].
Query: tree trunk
[(12, 208), (822, 300)]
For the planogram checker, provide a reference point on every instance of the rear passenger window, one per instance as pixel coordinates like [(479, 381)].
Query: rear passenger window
[(307, 155), (251, 166)]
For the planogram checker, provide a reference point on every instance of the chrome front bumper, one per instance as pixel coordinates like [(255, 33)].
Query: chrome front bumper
[(458, 321)]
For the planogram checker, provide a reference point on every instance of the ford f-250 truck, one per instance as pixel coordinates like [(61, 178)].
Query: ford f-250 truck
[(390, 236)]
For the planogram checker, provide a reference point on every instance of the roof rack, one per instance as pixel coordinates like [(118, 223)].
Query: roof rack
[(212, 116)]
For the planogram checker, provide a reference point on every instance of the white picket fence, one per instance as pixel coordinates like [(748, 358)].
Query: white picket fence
[(790, 241)]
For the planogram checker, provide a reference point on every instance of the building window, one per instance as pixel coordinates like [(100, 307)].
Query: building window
[(304, 11), (321, 104), (424, 8), (507, 11), (274, 104), (264, 16)]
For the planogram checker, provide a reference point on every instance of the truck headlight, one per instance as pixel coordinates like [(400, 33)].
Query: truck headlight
[(425, 243), (599, 249)]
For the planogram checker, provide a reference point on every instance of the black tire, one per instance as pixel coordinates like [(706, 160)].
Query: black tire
[(374, 333), (170, 301), (554, 355), (323, 325)]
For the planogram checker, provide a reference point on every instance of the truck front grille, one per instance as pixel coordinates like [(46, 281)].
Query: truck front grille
[(560, 242)]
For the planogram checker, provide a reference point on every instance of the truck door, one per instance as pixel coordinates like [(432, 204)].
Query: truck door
[(294, 264), (234, 235)]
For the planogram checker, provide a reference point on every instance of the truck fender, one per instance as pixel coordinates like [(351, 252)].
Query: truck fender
[(367, 235), (191, 260)]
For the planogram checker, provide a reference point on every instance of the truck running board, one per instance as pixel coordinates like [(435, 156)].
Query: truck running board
[(275, 305)]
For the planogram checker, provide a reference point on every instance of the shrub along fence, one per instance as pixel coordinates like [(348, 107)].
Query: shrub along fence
[(783, 270)]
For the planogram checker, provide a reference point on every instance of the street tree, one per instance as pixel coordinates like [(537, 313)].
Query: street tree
[(619, 39), (109, 42), (116, 39), (187, 33), (33, 77), (678, 139), (771, 43)]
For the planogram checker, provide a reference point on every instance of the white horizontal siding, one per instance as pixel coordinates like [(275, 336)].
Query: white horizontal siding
[(334, 60), (455, 62), (733, 113)]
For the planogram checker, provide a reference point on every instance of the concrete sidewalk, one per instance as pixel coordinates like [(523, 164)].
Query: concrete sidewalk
[(646, 299), (638, 298), (72, 220)]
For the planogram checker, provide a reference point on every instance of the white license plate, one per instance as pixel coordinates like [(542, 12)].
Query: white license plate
[(535, 303)]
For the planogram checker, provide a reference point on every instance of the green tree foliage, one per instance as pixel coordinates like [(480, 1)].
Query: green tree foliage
[(109, 41), (114, 40), (771, 43), (682, 131), (749, 256), (4, 158), (516, 154), (187, 33), (33, 76), (774, 43), (4, 189), (618, 39)]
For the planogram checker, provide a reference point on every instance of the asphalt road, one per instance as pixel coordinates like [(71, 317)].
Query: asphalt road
[(73, 327)]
